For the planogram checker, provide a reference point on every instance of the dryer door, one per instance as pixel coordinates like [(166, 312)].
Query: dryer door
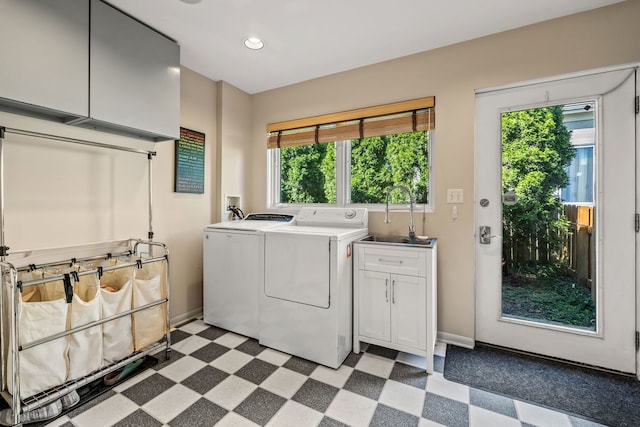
[(297, 268)]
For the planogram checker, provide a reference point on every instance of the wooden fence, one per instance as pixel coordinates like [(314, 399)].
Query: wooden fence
[(576, 247), (580, 248)]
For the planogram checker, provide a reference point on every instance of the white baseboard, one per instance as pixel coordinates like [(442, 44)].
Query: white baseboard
[(458, 340), (193, 314)]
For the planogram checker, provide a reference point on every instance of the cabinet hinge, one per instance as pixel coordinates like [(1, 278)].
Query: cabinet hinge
[(637, 340), (637, 223), (637, 104)]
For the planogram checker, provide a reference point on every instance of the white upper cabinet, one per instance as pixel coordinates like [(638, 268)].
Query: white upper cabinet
[(45, 57), (135, 75), (85, 63)]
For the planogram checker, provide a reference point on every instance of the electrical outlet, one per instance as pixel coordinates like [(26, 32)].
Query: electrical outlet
[(455, 195)]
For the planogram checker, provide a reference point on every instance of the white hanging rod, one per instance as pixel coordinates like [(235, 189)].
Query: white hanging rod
[(74, 140)]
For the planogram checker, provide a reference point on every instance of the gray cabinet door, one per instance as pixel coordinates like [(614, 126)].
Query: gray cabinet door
[(135, 75), (45, 49)]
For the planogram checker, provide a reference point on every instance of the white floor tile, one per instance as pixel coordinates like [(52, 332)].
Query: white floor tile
[(540, 416), (293, 414), (437, 384), (194, 327), (231, 361), (375, 365), (335, 377), (230, 392), (182, 368), (284, 382), (230, 340), (235, 420), (171, 403), (274, 357), (479, 417), (351, 409), (403, 397), (440, 349), (189, 345), (106, 413), (413, 360)]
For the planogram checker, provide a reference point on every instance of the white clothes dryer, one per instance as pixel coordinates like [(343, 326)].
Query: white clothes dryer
[(306, 303), (233, 271)]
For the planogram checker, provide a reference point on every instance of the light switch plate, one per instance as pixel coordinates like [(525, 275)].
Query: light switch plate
[(455, 195)]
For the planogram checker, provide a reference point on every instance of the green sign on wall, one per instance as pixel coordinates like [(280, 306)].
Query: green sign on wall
[(189, 161)]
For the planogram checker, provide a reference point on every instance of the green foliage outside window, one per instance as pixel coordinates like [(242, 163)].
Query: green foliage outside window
[(307, 173), (536, 149)]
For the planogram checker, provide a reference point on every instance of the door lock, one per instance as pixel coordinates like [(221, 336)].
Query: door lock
[(485, 235)]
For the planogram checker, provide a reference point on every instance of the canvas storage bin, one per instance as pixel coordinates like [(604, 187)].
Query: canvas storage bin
[(42, 311), (149, 325), (116, 296), (85, 347)]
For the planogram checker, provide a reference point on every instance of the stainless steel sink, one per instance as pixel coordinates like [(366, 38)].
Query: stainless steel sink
[(398, 240)]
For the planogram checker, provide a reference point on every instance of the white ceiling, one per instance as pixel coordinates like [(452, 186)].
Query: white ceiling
[(305, 39)]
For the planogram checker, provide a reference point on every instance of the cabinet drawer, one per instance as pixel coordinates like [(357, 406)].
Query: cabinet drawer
[(411, 262)]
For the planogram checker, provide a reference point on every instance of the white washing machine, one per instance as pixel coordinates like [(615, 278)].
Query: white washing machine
[(306, 304), (233, 271)]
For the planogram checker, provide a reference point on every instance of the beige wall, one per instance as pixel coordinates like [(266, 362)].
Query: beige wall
[(234, 134), (597, 38), (59, 194)]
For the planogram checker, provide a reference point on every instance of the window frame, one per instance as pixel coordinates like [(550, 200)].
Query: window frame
[(343, 183)]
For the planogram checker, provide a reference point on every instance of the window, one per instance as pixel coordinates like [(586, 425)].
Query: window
[(579, 118), (353, 159)]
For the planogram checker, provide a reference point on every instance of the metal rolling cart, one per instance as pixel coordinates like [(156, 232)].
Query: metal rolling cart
[(133, 254)]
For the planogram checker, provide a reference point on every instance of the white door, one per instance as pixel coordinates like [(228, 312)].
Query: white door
[(374, 316), (516, 281), (297, 268), (409, 311)]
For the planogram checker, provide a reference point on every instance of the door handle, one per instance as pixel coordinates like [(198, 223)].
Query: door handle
[(393, 291), (485, 235), (386, 289)]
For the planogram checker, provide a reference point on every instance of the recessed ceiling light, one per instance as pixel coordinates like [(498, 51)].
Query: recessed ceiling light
[(253, 43), (191, 1)]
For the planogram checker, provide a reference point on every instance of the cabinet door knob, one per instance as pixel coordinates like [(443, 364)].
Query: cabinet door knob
[(386, 289), (393, 291)]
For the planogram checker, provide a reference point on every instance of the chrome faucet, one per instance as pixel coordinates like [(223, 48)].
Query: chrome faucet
[(412, 227)]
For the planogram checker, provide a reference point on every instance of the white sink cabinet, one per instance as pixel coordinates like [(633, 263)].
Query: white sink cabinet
[(395, 297)]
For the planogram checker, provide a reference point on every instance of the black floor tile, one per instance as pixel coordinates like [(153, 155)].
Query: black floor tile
[(139, 419), (178, 335), (303, 366), (256, 371), (203, 413), (211, 333), (438, 364), (383, 352), (352, 359), (210, 352), (148, 388), (365, 384), (173, 356), (315, 394), (205, 379), (492, 402), (260, 406), (251, 346), (385, 416), (410, 375), (445, 411), (330, 422)]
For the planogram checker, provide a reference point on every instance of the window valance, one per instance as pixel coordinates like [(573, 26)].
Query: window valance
[(399, 117)]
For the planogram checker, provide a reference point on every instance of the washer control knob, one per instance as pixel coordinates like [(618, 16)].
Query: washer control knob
[(350, 214)]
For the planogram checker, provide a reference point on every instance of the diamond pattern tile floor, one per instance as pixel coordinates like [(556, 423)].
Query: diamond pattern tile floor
[(215, 377)]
